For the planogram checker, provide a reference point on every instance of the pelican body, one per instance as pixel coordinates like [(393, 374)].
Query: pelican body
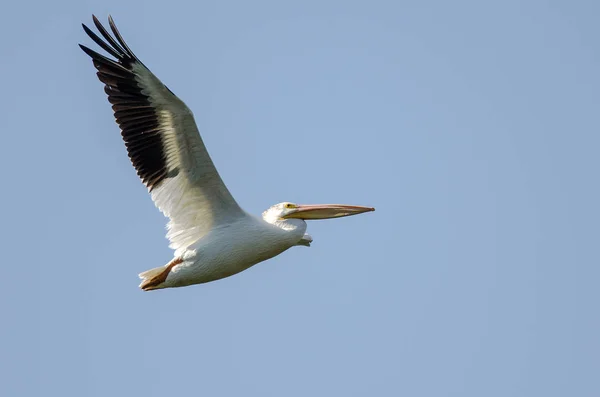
[(211, 235)]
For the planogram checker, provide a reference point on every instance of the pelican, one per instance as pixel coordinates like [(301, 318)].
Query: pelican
[(212, 237)]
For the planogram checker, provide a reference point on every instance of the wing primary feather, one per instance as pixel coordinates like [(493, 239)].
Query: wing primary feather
[(98, 57), (124, 56), (136, 115), (114, 29), (101, 43), (115, 71)]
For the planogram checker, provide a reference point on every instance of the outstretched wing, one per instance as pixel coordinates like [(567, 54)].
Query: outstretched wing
[(163, 143)]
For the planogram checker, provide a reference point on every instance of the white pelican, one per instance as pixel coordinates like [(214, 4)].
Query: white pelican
[(212, 236)]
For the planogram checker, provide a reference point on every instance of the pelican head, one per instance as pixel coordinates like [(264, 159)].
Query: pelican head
[(287, 214)]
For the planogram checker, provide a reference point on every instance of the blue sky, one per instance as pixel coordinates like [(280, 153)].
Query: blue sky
[(472, 127)]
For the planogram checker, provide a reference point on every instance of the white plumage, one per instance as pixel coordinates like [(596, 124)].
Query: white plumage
[(212, 236)]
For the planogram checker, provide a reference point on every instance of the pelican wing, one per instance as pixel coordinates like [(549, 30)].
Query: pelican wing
[(163, 143)]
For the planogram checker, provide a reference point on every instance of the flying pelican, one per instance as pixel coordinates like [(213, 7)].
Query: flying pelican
[(211, 235)]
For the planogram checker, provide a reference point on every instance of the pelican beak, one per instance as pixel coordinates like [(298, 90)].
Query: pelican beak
[(326, 211)]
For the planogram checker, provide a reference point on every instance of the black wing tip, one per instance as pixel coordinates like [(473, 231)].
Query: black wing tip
[(88, 51), (96, 21), (141, 133), (113, 27), (117, 48), (87, 30)]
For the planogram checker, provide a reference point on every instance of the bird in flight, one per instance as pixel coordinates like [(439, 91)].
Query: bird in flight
[(211, 235)]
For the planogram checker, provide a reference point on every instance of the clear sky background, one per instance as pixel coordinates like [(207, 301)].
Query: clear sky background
[(473, 128)]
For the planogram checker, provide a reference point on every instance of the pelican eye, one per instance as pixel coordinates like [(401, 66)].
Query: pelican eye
[(289, 206)]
